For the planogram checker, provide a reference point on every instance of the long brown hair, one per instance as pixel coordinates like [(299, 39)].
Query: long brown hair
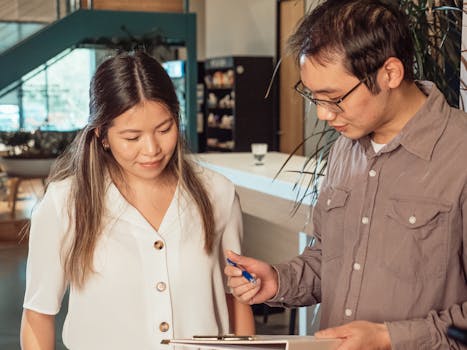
[(120, 83)]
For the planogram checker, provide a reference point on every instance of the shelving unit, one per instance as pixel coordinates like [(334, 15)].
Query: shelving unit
[(237, 114)]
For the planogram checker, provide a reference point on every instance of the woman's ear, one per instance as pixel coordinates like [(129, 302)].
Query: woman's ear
[(393, 72), (105, 143)]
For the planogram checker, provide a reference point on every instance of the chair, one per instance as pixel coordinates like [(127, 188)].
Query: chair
[(265, 310), (21, 169)]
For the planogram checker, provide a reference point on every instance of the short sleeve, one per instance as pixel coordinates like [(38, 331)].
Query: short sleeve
[(45, 282)]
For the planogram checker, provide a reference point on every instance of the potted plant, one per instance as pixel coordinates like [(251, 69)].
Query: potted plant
[(30, 154)]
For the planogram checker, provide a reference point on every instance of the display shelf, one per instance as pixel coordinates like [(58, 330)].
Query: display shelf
[(236, 111)]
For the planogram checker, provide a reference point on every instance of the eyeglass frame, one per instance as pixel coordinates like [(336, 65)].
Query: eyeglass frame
[(326, 103)]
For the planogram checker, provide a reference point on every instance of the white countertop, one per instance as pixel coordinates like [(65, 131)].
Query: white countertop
[(241, 170)]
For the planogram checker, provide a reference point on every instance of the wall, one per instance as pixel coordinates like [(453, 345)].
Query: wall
[(199, 7), (240, 27), (29, 10)]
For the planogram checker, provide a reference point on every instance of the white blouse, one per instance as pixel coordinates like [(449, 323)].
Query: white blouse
[(149, 285)]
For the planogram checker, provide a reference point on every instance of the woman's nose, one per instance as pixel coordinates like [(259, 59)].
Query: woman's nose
[(151, 146)]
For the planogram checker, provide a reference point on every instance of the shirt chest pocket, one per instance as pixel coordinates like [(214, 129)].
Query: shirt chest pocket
[(333, 203), (414, 244)]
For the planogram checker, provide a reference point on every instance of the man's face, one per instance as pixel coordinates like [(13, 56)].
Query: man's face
[(362, 112)]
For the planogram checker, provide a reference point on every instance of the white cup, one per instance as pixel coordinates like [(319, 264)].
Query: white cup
[(259, 151)]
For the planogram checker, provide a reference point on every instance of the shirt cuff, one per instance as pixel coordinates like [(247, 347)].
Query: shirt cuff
[(283, 282), (409, 335)]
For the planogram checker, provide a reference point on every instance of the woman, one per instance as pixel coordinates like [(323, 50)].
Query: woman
[(136, 230)]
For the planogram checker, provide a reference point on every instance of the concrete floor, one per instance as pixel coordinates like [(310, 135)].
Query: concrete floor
[(13, 255), (12, 284)]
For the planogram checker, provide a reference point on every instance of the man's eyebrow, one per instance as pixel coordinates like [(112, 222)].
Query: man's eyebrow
[(326, 90)]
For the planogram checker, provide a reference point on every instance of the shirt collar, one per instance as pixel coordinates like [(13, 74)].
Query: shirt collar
[(421, 133)]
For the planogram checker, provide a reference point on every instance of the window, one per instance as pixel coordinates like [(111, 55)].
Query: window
[(53, 97)]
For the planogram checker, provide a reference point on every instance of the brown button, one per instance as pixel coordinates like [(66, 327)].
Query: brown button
[(160, 286), (164, 327), (158, 245)]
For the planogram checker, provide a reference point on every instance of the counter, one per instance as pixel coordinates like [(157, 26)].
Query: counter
[(271, 233)]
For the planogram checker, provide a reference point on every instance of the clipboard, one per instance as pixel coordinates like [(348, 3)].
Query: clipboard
[(260, 342)]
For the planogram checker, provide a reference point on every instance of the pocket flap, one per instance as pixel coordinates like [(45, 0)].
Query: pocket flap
[(335, 198), (414, 213)]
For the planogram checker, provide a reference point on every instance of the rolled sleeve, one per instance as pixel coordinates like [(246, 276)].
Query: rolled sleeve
[(299, 280)]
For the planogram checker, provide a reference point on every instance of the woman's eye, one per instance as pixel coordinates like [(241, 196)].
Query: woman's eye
[(164, 131), (131, 138)]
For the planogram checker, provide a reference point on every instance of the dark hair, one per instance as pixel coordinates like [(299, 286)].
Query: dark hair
[(364, 33), (120, 83)]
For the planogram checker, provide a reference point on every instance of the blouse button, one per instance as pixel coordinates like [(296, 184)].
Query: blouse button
[(160, 286), (348, 312), (365, 220), (158, 245), (372, 173), (357, 266), (412, 219), (328, 202), (164, 327)]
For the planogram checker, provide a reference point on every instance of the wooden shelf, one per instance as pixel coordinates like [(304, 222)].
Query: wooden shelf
[(252, 115)]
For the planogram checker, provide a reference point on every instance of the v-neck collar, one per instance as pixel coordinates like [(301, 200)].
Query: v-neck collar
[(121, 209)]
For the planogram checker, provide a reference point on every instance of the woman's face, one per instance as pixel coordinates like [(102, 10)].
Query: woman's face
[(143, 140)]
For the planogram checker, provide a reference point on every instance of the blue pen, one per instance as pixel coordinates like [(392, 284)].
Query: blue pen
[(245, 273)]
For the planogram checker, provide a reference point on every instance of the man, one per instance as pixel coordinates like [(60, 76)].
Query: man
[(389, 262)]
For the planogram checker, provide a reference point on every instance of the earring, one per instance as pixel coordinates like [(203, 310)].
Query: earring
[(106, 146)]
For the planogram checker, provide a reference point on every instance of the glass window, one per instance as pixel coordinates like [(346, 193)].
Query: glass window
[(57, 97), (9, 117)]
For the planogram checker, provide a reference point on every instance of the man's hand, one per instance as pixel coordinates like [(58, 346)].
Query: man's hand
[(246, 292), (359, 335)]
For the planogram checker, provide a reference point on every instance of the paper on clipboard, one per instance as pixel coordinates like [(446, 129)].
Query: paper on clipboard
[(262, 342)]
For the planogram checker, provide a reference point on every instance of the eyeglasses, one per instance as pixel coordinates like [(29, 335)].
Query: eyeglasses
[(332, 106)]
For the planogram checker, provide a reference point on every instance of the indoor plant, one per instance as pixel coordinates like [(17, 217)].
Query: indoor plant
[(30, 154)]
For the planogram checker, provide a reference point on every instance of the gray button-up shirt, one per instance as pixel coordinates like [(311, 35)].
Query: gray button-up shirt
[(391, 233)]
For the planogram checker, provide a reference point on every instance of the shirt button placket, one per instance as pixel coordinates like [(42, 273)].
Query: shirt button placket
[(161, 298), (364, 231), (164, 326), (161, 286), (158, 245)]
